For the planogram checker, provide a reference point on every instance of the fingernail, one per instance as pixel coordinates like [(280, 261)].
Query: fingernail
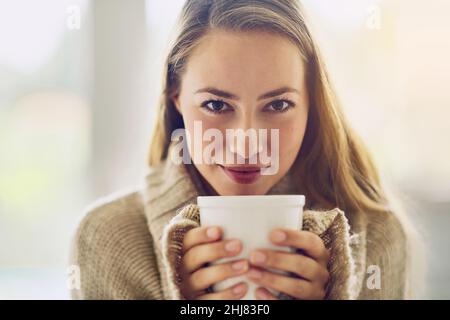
[(212, 232), (255, 274), (278, 236), (258, 257), (239, 265), (240, 288), (232, 246)]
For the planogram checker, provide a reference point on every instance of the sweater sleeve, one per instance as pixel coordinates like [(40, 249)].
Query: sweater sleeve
[(172, 247), (386, 274), (113, 251), (332, 226)]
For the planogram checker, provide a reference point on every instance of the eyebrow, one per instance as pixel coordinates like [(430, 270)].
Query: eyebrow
[(231, 96)]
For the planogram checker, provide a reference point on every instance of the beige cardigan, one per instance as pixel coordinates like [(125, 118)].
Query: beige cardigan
[(128, 246)]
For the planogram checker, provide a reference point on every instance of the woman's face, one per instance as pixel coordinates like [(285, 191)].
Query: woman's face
[(244, 80)]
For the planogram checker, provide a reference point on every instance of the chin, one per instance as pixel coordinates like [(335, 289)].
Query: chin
[(235, 189)]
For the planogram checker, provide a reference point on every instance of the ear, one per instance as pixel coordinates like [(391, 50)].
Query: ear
[(176, 102)]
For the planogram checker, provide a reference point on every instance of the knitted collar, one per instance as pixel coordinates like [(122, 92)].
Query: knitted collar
[(170, 186)]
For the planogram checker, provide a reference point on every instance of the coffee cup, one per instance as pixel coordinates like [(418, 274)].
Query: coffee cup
[(250, 219)]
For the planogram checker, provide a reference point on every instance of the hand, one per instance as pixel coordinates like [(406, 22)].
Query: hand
[(310, 270), (202, 246)]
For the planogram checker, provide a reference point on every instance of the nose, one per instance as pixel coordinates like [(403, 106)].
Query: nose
[(244, 140)]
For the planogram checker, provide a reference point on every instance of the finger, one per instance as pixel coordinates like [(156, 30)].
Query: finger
[(264, 294), (199, 255), (307, 241), (205, 277), (298, 264), (201, 235), (235, 292), (295, 287)]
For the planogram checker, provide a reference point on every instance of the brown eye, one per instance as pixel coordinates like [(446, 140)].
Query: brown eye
[(279, 106), (216, 106)]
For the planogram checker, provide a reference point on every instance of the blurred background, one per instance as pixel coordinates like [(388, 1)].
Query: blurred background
[(78, 84)]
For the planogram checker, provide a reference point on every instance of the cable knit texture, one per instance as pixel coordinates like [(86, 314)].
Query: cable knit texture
[(331, 226), (129, 246)]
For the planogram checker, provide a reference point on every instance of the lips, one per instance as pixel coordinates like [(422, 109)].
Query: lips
[(242, 174)]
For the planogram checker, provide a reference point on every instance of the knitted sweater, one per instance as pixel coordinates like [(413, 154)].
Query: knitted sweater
[(128, 246)]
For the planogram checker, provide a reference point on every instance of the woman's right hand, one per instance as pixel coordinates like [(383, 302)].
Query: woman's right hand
[(201, 246)]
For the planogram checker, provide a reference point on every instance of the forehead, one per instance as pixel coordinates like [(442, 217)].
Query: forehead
[(254, 61)]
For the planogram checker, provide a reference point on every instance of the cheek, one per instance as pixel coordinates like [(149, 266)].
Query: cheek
[(291, 137), (197, 124)]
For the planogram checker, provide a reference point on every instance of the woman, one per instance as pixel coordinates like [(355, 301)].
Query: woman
[(248, 65)]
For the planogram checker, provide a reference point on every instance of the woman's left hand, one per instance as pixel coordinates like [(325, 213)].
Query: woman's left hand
[(311, 267)]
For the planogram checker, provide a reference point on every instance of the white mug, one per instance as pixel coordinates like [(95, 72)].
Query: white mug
[(250, 219)]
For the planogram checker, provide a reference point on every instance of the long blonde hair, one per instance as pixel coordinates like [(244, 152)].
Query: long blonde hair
[(333, 164)]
